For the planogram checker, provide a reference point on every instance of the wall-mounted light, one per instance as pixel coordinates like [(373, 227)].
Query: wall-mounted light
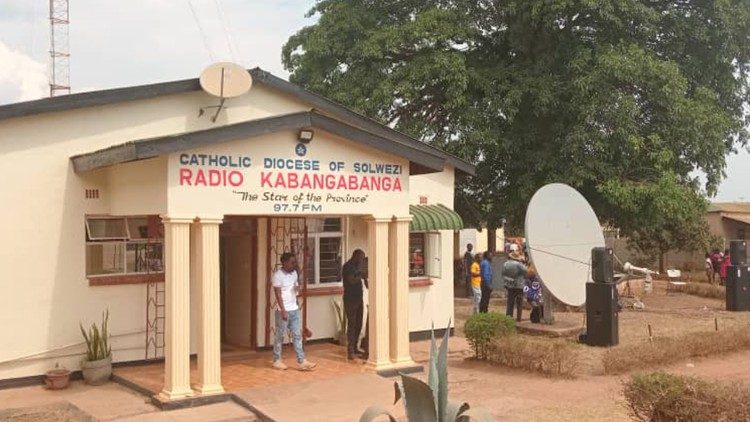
[(306, 136)]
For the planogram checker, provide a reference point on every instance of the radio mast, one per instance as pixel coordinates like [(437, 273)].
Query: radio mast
[(59, 81)]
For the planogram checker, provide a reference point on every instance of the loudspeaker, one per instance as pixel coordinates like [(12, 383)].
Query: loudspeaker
[(738, 252), (602, 325), (738, 288), (602, 265)]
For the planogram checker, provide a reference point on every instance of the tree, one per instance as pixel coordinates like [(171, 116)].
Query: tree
[(625, 100)]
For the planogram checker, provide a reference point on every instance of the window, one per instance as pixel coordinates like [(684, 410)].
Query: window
[(416, 255), (325, 240), (424, 255), (124, 245), (741, 234)]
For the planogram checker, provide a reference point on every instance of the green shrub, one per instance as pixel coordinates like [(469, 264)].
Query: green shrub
[(555, 357), (482, 328), (662, 397)]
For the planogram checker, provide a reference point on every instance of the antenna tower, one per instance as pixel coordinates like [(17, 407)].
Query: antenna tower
[(59, 83)]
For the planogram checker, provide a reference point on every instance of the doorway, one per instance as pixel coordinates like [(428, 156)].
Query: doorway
[(239, 282)]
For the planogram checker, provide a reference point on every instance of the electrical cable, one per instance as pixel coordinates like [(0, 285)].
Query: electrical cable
[(588, 264), (202, 32), (227, 30)]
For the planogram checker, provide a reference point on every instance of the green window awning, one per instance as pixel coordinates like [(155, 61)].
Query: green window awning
[(434, 217)]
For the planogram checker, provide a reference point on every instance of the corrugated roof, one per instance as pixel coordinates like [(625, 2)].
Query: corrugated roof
[(260, 76), (420, 161), (734, 207)]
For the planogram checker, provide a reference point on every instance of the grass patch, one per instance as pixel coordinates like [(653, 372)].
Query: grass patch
[(661, 397), (666, 350), (711, 291), (556, 357)]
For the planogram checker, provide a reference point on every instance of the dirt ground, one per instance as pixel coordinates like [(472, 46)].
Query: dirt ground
[(509, 394), (669, 314), (516, 395)]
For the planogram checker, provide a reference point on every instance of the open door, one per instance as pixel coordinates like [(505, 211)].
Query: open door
[(286, 235), (238, 256)]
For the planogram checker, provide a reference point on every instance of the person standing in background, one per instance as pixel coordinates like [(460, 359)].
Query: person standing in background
[(532, 289), (352, 273), (716, 258), (709, 267), (514, 274), (476, 282), (726, 261), (468, 260), (485, 270)]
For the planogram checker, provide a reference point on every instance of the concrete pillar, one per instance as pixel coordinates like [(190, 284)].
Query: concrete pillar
[(379, 336), (205, 255), (398, 259), (177, 308)]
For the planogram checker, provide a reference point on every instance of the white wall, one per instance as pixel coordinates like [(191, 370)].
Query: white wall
[(45, 291), (438, 188)]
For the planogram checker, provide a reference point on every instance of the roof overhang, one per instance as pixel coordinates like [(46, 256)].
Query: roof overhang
[(737, 217), (260, 77), (420, 161)]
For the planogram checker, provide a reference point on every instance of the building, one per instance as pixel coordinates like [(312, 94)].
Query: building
[(726, 221), (729, 220), (133, 200)]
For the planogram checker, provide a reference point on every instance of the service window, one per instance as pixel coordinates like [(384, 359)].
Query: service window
[(124, 245), (424, 255), (416, 254)]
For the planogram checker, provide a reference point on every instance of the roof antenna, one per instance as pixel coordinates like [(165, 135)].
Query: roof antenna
[(59, 51), (224, 80)]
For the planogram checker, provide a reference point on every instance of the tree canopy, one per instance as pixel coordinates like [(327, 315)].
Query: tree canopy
[(625, 100)]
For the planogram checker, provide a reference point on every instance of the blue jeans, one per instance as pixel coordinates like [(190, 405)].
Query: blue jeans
[(477, 297), (293, 324)]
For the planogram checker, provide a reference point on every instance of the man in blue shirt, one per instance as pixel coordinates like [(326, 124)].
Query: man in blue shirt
[(485, 268)]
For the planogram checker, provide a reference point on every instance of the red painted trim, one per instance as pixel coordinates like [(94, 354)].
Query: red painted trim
[(114, 280), (325, 291), (420, 282), (339, 290)]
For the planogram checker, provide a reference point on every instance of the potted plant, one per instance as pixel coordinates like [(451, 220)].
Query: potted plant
[(97, 367), (57, 378)]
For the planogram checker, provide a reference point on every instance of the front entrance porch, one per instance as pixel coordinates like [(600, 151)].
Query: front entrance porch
[(243, 368), (222, 272)]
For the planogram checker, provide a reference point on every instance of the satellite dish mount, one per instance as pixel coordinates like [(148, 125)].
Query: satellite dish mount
[(224, 80)]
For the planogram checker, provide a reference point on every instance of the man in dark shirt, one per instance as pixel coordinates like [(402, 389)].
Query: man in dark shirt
[(353, 273)]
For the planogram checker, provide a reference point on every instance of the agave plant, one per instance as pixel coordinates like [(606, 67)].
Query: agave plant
[(97, 340), (428, 402)]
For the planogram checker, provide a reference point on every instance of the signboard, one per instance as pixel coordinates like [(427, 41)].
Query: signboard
[(276, 174)]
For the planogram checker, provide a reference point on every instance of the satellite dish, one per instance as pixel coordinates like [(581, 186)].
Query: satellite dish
[(561, 230), (226, 80)]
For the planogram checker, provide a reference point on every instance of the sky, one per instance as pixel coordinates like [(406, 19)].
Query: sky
[(134, 42)]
